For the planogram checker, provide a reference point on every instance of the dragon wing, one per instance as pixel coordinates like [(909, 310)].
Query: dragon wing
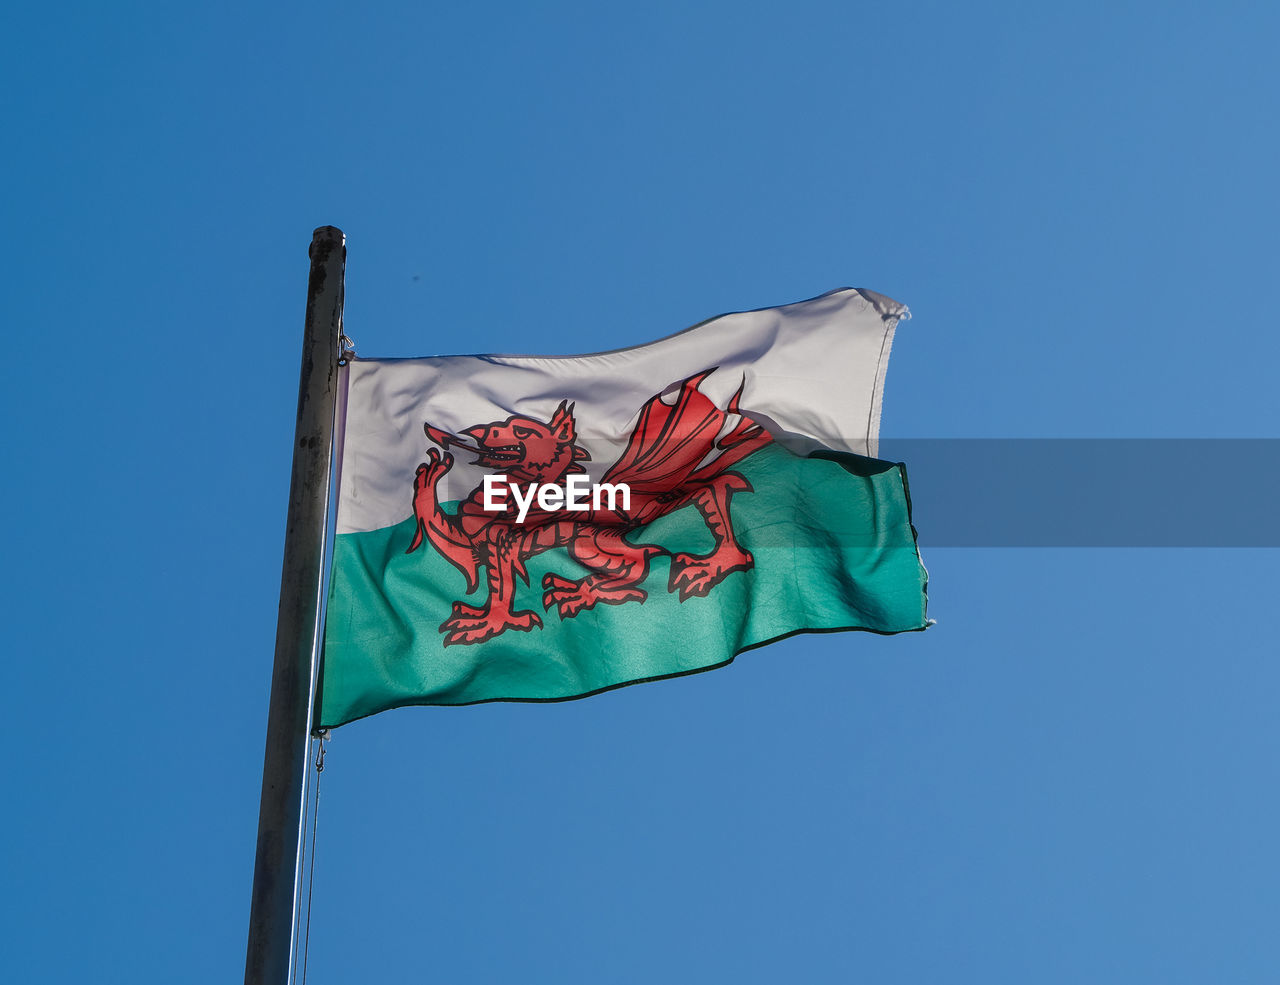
[(675, 444)]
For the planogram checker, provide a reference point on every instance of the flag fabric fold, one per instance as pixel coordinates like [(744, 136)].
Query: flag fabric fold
[(543, 528)]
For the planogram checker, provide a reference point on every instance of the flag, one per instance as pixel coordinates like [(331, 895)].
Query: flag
[(545, 527)]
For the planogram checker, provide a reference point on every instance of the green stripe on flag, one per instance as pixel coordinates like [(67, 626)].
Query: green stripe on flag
[(833, 545)]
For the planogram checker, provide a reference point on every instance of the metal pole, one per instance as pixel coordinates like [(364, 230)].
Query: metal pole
[(271, 917)]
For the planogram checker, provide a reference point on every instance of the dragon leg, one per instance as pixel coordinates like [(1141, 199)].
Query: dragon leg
[(471, 624), (618, 568), (693, 575)]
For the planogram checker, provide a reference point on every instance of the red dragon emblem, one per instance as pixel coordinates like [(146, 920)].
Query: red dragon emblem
[(679, 454)]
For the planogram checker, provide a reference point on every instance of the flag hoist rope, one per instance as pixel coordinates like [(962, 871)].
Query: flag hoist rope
[(269, 956), (321, 736)]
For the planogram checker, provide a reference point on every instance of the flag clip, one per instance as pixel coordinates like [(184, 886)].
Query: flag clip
[(346, 349), (323, 736)]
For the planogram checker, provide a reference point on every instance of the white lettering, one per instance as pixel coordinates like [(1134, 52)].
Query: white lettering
[(550, 498), (492, 489), (523, 504), (612, 490), (576, 492)]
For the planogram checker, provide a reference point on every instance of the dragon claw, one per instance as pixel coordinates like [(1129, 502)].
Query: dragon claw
[(696, 576), (432, 470), (471, 625), (571, 597)]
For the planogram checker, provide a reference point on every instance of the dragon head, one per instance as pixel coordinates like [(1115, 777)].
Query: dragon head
[(529, 450)]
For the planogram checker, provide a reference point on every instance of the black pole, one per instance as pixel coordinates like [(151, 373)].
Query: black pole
[(271, 917)]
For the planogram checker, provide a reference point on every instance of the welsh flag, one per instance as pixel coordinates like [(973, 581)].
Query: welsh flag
[(536, 528)]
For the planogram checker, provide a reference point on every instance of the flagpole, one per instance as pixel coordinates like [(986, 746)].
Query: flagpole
[(269, 956)]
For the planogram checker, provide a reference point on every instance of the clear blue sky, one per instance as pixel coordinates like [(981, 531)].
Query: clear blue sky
[(1072, 778)]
